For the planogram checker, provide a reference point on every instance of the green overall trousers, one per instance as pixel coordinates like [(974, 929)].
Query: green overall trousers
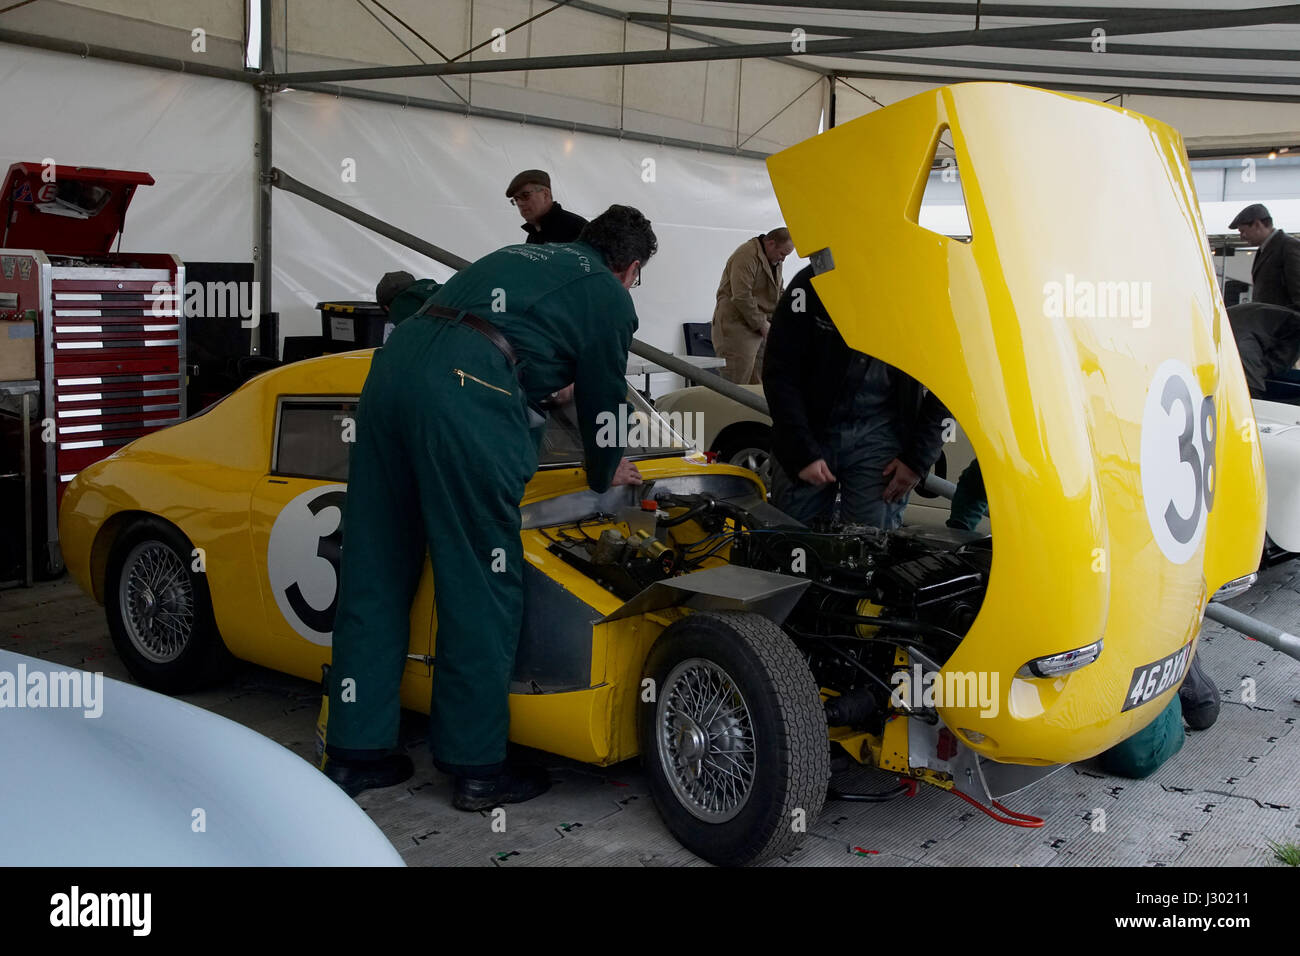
[(443, 452)]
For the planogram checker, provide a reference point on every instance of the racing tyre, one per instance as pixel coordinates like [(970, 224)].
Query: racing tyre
[(734, 742), (160, 611)]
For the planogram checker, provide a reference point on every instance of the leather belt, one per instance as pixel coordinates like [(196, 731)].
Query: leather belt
[(481, 326)]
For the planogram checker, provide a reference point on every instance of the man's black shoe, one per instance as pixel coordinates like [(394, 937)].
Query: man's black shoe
[(1199, 697), (513, 785), (354, 776)]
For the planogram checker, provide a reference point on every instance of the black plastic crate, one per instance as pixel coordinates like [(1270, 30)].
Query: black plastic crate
[(346, 326)]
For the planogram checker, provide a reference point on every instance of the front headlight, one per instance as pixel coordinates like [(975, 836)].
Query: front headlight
[(1234, 587), (1057, 665)]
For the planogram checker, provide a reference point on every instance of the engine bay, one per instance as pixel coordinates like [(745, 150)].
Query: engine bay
[(872, 592)]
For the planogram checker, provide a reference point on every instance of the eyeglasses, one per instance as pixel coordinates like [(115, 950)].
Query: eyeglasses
[(637, 281), (522, 195)]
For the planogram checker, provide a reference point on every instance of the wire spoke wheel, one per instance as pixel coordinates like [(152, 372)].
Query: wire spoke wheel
[(159, 609), (706, 740), (157, 602), (733, 736)]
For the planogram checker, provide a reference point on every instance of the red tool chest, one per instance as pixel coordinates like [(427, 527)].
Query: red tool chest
[(110, 328)]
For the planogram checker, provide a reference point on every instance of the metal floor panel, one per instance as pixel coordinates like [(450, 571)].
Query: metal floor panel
[(1239, 835), (1276, 780), (904, 826), (1223, 756), (1228, 658), (819, 851), (1144, 826), (635, 836), (1278, 689), (986, 842)]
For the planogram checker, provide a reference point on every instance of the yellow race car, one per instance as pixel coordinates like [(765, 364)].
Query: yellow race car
[(690, 622)]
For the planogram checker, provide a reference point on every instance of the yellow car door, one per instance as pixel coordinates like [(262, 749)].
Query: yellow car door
[(296, 523)]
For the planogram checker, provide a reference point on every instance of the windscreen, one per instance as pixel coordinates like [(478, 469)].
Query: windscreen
[(643, 431)]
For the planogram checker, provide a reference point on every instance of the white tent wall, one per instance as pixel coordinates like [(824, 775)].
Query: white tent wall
[(160, 27), (191, 133), (443, 177), (223, 18), (1213, 124)]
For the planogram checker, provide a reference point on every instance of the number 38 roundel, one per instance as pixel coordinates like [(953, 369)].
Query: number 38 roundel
[(1179, 426), (302, 561)]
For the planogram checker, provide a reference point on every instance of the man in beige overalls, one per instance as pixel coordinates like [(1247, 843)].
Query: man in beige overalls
[(750, 288)]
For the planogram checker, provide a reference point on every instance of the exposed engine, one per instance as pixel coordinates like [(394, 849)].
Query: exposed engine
[(873, 591)]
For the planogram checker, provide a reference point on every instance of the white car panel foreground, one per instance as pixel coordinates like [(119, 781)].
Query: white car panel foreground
[(1279, 442), (128, 777)]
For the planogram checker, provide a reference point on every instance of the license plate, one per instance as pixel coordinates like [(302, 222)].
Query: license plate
[(1152, 680)]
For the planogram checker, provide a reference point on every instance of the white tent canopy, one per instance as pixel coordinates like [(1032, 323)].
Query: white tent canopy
[(1224, 73), (160, 85)]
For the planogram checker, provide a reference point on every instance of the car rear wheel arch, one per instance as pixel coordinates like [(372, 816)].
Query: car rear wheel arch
[(738, 435), (748, 445), (159, 608), (102, 546)]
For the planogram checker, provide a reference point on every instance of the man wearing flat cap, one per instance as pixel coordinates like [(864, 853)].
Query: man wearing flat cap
[(1267, 328), (544, 219), (1275, 273)]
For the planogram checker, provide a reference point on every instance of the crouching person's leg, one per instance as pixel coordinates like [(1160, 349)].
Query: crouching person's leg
[(970, 503)]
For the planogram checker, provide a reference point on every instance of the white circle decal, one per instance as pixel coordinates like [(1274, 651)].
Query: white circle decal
[(302, 561), (1179, 426)]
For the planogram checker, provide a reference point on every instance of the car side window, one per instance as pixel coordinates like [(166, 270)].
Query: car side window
[(313, 437)]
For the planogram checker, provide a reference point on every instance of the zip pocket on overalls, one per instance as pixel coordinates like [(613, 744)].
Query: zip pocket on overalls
[(465, 375)]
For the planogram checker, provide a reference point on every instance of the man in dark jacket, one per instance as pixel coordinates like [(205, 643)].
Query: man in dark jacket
[(1267, 329), (544, 219), (842, 421), (1275, 273)]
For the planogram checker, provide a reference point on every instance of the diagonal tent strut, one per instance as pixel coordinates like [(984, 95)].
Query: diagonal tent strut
[(816, 82), (1119, 26), (521, 23), (1176, 75), (282, 180), (600, 10), (1053, 46), (417, 56), (1026, 11)]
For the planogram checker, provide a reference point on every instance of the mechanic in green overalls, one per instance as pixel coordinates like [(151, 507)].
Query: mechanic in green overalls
[(447, 437), (401, 294)]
